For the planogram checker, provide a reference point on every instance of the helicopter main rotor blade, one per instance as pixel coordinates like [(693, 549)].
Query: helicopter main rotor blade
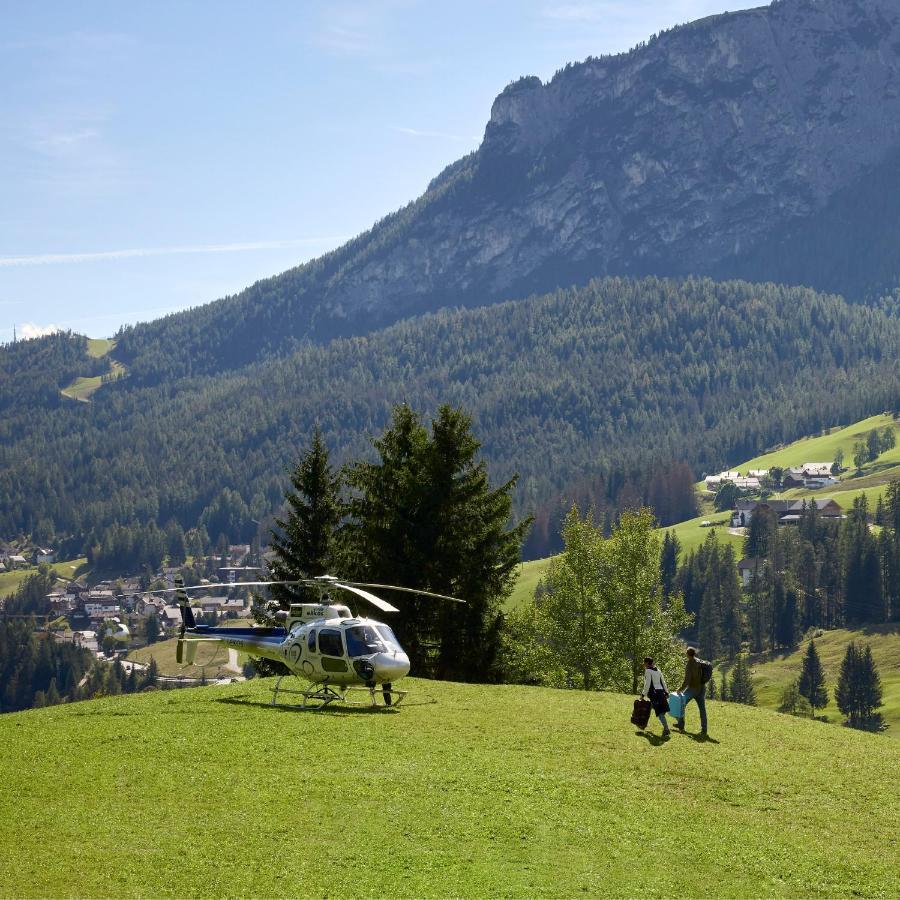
[(377, 602), (218, 586), (405, 590), (321, 581)]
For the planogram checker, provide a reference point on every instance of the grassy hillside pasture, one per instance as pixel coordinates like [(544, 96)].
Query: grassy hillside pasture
[(84, 388), (9, 581), (773, 672), (468, 791), (100, 347), (823, 447)]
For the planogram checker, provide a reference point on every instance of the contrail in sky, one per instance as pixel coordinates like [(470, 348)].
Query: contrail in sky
[(49, 259)]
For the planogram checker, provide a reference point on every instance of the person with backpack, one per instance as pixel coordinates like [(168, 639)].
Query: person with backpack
[(656, 692), (697, 673)]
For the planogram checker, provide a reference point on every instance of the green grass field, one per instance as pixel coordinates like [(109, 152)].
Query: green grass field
[(773, 672), (9, 581), (467, 791)]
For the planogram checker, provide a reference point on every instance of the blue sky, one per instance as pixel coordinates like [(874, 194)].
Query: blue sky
[(155, 156)]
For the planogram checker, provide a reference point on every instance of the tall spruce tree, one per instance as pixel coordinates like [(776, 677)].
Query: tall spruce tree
[(741, 688), (426, 516), (811, 684), (732, 620), (859, 692), (304, 544), (668, 563)]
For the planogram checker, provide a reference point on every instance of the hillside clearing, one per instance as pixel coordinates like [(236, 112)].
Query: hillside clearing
[(84, 388), (9, 581), (772, 672), (822, 448), (467, 791), (99, 347)]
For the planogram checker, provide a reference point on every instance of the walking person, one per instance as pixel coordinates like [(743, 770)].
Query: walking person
[(693, 688), (656, 692)]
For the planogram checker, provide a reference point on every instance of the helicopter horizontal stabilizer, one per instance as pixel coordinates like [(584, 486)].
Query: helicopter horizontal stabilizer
[(185, 651)]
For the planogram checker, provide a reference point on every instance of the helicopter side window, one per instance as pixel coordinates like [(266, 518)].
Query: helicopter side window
[(311, 641), (363, 640), (330, 643)]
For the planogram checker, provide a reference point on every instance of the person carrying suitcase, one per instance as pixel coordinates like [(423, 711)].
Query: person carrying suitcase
[(696, 675), (657, 692)]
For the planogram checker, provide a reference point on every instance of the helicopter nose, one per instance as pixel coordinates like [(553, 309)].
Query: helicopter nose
[(390, 666)]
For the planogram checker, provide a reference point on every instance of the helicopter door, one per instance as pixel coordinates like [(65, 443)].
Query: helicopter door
[(331, 646), (311, 641)]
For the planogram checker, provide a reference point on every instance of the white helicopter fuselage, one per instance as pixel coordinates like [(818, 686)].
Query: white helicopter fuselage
[(321, 643)]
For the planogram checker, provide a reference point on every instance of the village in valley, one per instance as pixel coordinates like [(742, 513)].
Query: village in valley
[(112, 617)]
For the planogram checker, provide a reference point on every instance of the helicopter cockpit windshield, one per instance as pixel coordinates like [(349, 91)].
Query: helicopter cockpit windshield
[(363, 640), (391, 642)]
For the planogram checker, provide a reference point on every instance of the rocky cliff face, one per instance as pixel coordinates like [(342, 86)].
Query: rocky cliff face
[(684, 155), (672, 158)]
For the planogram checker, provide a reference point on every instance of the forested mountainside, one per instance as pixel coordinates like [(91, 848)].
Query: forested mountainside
[(611, 380), (32, 372), (755, 144)]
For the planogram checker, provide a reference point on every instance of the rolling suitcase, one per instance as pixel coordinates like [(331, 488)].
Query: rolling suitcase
[(641, 714), (676, 705)]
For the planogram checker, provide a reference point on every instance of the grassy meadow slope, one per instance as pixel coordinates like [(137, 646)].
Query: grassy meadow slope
[(68, 568), (467, 791), (820, 448), (772, 672)]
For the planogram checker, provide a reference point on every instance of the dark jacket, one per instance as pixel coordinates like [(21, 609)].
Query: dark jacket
[(692, 676)]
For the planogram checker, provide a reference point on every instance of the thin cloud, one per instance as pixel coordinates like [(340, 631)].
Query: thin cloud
[(28, 330), (48, 259), (443, 135)]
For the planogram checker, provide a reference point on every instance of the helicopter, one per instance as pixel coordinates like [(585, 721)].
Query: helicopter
[(324, 643)]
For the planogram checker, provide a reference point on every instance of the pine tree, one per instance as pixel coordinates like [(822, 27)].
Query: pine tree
[(741, 683), (812, 679), (870, 686), (151, 674), (426, 517), (859, 692), (725, 692), (304, 544), (732, 620), (668, 563), (53, 694)]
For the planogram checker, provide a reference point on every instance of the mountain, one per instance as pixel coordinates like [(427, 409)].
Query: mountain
[(464, 791), (762, 144), (614, 382)]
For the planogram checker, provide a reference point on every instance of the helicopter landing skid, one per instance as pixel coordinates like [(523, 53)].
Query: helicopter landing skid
[(318, 696)]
